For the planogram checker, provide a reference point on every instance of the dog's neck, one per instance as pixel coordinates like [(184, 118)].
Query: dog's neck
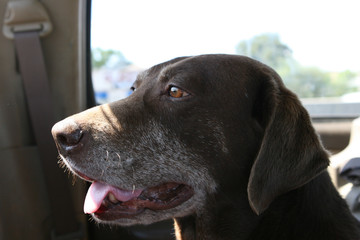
[(191, 228), (218, 221), (230, 221), (185, 228), (200, 228), (226, 215)]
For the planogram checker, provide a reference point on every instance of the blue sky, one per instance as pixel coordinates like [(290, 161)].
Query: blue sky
[(321, 33)]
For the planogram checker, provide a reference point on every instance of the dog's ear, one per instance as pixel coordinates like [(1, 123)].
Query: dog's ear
[(290, 154)]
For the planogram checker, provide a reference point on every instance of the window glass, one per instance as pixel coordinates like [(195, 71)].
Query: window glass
[(313, 45)]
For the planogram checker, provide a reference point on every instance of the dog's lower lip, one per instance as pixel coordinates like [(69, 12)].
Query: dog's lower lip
[(162, 197)]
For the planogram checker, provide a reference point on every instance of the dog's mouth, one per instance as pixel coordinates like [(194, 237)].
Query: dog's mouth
[(109, 203)]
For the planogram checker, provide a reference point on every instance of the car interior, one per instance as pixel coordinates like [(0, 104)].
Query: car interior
[(52, 65)]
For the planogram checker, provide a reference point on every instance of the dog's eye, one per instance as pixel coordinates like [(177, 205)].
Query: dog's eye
[(176, 92)]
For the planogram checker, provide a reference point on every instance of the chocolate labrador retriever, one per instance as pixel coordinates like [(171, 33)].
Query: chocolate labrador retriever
[(216, 142)]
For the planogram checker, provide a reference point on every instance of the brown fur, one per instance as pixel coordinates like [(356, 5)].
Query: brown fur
[(241, 140)]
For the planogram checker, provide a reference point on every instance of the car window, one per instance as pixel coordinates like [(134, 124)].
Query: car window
[(313, 45)]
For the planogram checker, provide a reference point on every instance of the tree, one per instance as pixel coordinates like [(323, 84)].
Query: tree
[(305, 81), (266, 48), (107, 58), (343, 82), (309, 82)]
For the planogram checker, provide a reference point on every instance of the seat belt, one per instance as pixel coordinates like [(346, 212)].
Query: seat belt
[(37, 91)]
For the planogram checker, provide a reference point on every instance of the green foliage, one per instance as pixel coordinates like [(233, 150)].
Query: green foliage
[(309, 82), (107, 58), (266, 48), (305, 81), (343, 82)]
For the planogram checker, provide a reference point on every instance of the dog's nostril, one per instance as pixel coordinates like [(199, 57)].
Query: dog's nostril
[(67, 134), (70, 138)]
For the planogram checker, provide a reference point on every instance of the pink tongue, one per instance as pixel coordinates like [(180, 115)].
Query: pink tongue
[(98, 192)]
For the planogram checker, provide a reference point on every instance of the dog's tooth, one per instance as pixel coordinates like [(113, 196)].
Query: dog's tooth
[(112, 198)]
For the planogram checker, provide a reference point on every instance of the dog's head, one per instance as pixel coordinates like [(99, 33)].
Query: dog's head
[(194, 127)]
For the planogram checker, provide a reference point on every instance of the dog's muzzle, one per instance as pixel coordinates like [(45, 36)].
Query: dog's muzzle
[(108, 202)]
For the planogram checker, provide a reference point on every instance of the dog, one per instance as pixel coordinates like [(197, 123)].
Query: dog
[(215, 142)]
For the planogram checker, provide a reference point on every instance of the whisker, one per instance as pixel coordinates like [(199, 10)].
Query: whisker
[(61, 162), (107, 155), (63, 165), (73, 179), (119, 164)]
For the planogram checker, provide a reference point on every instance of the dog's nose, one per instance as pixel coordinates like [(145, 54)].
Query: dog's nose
[(67, 134)]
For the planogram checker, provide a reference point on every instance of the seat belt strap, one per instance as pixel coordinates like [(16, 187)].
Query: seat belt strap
[(37, 91)]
